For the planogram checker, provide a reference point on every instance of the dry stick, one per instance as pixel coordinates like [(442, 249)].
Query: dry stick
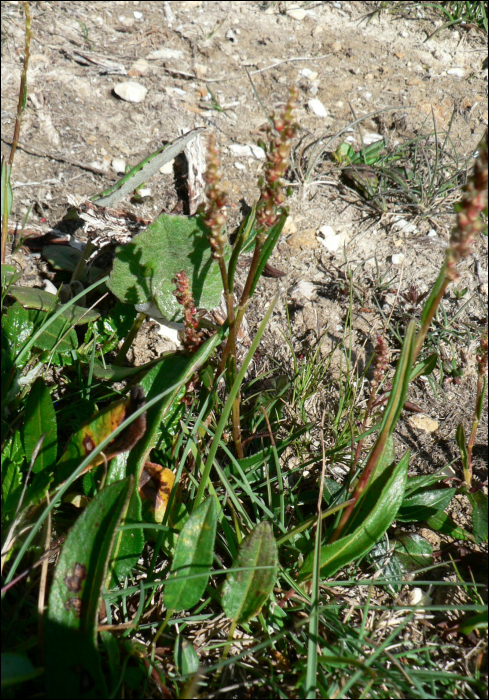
[(262, 70)]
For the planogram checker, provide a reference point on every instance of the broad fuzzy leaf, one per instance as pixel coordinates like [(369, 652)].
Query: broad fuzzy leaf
[(144, 269)]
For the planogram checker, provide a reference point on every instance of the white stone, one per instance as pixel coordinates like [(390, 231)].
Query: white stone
[(167, 169), (119, 165), (248, 151), (432, 233), (138, 15), (297, 14), (303, 290), (327, 231), (403, 226), (309, 74), (257, 151), (240, 166), (165, 54), (397, 258), (131, 91), (49, 287), (317, 107), (371, 138), (456, 71)]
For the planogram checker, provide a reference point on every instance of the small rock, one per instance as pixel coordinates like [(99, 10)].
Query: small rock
[(240, 166), (432, 233), (317, 30), (231, 36), (138, 15), (317, 107), (369, 76), (424, 423), (248, 151), (165, 54), (309, 74), (371, 138), (411, 82), (303, 290), (139, 67), (456, 71), (119, 165), (289, 227), (130, 91), (303, 239), (297, 14), (49, 287), (403, 226), (167, 169), (397, 258), (335, 46)]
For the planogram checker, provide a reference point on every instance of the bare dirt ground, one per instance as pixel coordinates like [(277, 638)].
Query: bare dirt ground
[(193, 58)]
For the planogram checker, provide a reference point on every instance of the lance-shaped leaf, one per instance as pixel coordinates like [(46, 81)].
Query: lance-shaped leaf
[(246, 591), (72, 663), (40, 419), (95, 430), (193, 555), (381, 503)]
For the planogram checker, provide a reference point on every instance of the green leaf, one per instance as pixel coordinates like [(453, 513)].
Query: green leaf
[(381, 559), (97, 428), (442, 522), (462, 445), (59, 336), (380, 508), (40, 418), (193, 555), (479, 515), (9, 276), (7, 196), (32, 298), (267, 250), (412, 552), (246, 591), (12, 460), (62, 257), (186, 659), (72, 663), (17, 326), (128, 544), (176, 371), (424, 367), (144, 269), (424, 504), (474, 622), (17, 668), (141, 172)]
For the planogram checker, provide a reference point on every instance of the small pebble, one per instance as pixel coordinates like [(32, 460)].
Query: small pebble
[(138, 15), (403, 226), (456, 71), (297, 14), (397, 258), (309, 74), (119, 165), (371, 137), (130, 91), (317, 107), (424, 423), (164, 54)]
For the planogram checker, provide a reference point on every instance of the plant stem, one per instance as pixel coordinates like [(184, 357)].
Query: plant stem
[(15, 140), (121, 355)]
